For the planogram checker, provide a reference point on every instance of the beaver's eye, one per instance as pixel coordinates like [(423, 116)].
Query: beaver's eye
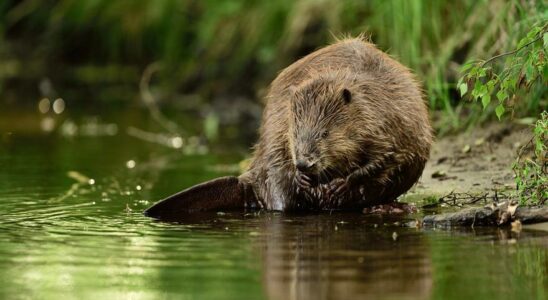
[(325, 134)]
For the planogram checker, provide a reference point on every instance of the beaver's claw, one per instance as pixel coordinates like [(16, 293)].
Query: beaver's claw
[(303, 181), (336, 191), (338, 186)]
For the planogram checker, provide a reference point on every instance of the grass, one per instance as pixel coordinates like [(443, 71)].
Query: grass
[(236, 47)]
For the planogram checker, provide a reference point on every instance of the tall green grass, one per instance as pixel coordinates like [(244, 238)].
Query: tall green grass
[(237, 46)]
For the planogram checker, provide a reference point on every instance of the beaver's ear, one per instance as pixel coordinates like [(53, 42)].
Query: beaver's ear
[(346, 95)]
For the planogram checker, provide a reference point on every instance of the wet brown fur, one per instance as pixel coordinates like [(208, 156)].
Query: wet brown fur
[(376, 145)]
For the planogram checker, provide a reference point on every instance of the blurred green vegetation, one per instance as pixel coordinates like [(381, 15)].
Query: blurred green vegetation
[(235, 48)]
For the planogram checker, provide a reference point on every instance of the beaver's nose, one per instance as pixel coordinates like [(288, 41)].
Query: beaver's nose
[(304, 165)]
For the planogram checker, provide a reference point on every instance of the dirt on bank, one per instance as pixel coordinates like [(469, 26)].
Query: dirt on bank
[(474, 162)]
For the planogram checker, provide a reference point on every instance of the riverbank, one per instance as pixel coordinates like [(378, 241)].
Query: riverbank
[(472, 163)]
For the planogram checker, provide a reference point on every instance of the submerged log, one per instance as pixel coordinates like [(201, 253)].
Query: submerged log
[(491, 215)]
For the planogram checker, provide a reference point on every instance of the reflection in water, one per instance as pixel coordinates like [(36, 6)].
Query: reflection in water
[(323, 257), (344, 256)]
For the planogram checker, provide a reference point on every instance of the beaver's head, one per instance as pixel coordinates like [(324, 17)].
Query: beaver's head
[(322, 128)]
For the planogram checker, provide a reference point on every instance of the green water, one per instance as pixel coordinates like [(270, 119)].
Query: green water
[(71, 228)]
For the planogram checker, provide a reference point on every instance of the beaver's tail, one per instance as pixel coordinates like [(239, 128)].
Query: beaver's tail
[(225, 193)]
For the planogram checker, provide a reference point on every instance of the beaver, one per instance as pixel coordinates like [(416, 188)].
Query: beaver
[(344, 127)]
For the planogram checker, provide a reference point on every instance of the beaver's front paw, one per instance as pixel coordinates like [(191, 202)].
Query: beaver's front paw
[(336, 193), (303, 181)]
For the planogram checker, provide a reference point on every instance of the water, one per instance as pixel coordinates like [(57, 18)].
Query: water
[(71, 227)]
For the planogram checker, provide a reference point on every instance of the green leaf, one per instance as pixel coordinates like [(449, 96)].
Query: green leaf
[(491, 85), (483, 90), (466, 67), (473, 71), (537, 130), (511, 83), (531, 34), (463, 87), (502, 95), (476, 92), (499, 110), (522, 42), (482, 72), (538, 146), (485, 99), (545, 39)]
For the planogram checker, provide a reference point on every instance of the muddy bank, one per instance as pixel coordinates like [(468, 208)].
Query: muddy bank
[(470, 171), (473, 162)]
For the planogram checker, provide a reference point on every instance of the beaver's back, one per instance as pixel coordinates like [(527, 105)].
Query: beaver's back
[(398, 91), (356, 55)]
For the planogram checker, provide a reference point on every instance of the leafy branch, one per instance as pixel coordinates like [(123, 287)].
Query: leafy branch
[(524, 67), (516, 50)]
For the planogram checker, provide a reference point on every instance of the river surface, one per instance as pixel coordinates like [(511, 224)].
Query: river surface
[(73, 189)]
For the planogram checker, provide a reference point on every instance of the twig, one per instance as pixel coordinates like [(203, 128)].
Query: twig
[(460, 199), (158, 138), (151, 103), (521, 151), (516, 50)]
